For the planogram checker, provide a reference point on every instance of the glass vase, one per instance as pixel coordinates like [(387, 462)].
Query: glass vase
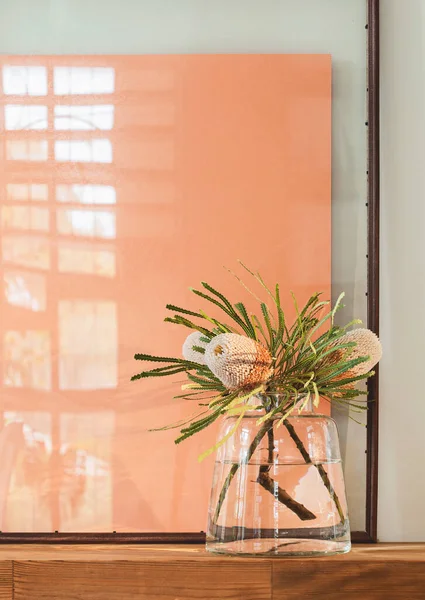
[(278, 490)]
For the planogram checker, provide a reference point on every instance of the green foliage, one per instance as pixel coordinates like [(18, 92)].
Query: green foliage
[(310, 358)]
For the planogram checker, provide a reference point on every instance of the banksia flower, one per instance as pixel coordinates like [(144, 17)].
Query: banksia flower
[(194, 339), (367, 344), (238, 361)]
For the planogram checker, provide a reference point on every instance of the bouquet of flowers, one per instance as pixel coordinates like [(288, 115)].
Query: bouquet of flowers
[(231, 363)]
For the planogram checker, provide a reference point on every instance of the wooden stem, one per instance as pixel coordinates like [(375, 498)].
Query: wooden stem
[(322, 472), (282, 495), (269, 484), (234, 468)]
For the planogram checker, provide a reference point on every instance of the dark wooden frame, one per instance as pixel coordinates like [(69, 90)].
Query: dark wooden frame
[(370, 533)]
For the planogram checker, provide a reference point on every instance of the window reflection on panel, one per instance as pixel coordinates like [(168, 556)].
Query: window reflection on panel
[(86, 194), (24, 81), (27, 251), (86, 491), (25, 289), (31, 218), (80, 118), (22, 192), (83, 151), (76, 257), (87, 345), (83, 80), (26, 359), (27, 506), (20, 116), (87, 223), (26, 150)]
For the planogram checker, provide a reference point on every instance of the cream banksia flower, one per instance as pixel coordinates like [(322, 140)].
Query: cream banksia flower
[(238, 361), (194, 339), (367, 344)]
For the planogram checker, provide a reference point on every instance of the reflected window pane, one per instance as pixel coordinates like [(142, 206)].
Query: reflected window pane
[(15, 217), (25, 289), (27, 251), (84, 259), (19, 116), (87, 345), (26, 507), (25, 217), (83, 151), (80, 118), (24, 81), (27, 361), (83, 80), (38, 191), (26, 150), (86, 194), (23, 191), (87, 223), (87, 474)]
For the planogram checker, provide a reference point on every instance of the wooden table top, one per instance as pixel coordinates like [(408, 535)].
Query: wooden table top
[(183, 552), (186, 572)]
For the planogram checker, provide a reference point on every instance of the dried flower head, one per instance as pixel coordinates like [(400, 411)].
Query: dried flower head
[(367, 344), (238, 361), (188, 351)]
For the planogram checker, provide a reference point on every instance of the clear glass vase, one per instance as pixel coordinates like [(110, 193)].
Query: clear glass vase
[(279, 490)]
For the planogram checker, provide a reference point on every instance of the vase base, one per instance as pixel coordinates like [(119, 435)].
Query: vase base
[(280, 547)]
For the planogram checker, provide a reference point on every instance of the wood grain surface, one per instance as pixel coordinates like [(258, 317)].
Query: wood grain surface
[(369, 572), (6, 580)]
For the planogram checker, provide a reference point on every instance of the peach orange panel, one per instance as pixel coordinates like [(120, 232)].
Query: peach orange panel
[(123, 181)]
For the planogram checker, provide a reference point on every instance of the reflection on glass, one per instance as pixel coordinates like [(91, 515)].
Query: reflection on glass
[(26, 251), (80, 160), (83, 80), (24, 81), (86, 194), (27, 504), (80, 118), (71, 475), (82, 258), (21, 116), (26, 149), (87, 345), (27, 359), (24, 191), (87, 223), (83, 151), (60, 476), (25, 217), (86, 490), (25, 289)]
